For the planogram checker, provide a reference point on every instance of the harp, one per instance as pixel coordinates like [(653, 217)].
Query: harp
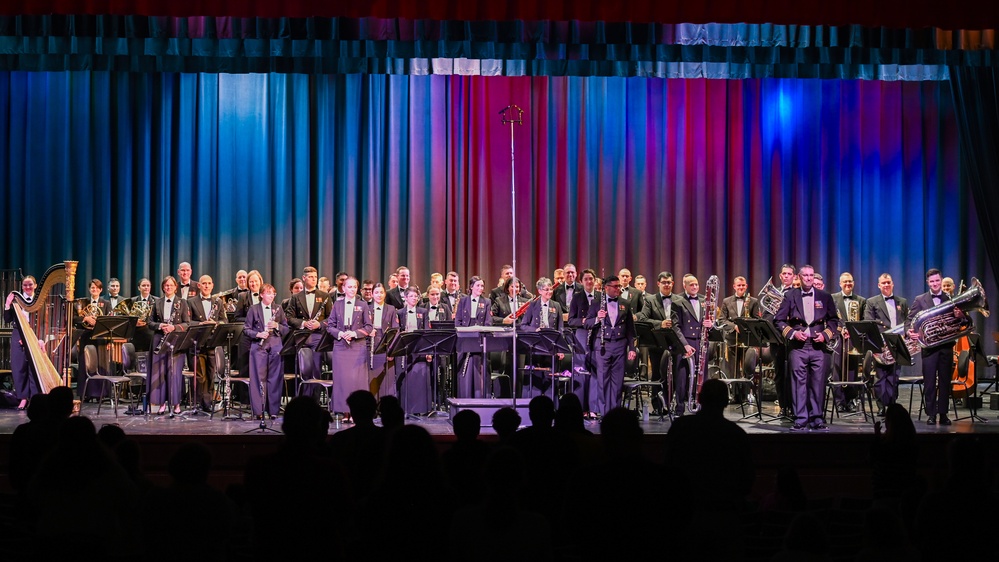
[(46, 327)]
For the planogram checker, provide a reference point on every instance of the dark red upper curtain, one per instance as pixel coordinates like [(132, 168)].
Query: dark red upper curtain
[(912, 14)]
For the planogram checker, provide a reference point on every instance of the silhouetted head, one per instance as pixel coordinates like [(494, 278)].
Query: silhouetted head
[(392, 413), (467, 424), (541, 409), (363, 405), (191, 463), (61, 402), (620, 432), (713, 395), (570, 413), (505, 422), (305, 421)]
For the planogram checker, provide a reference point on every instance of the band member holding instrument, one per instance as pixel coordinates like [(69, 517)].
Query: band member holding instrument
[(349, 322), (473, 310), (25, 380), (414, 371), (782, 375), (851, 307), (691, 317), (558, 276), (583, 371), (504, 313), (87, 311), (308, 309), (738, 305), (938, 361), (254, 281), (661, 311), (628, 292), (266, 324), (614, 319), (381, 375), (165, 370), (205, 309), (807, 319), (141, 306), (889, 311), (241, 282)]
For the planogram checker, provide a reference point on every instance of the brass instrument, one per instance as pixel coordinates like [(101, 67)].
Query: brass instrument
[(886, 357), (229, 298), (140, 308), (939, 325), (48, 357), (770, 298), (852, 315), (91, 309), (697, 376), (122, 308)]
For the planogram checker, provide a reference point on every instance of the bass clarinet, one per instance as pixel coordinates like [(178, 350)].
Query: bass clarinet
[(710, 310)]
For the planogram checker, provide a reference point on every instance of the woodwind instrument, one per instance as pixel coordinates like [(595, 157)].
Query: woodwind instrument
[(699, 374), (374, 330)]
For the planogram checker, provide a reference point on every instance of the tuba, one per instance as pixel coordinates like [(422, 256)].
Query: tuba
[(886, 357), (939, 325), (770, 298)]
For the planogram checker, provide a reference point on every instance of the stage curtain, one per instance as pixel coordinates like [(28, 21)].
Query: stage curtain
[(976, 94), (499, 48), (131, 173)]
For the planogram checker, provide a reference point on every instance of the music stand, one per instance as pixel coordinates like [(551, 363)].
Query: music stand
[(545, 341), (190, 339), (291, 345), (223, 336), (759, 332), (404, 345), (113, 328), (436, 342)]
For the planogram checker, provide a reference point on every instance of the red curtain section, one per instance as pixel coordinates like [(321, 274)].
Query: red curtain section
[(912, 14)]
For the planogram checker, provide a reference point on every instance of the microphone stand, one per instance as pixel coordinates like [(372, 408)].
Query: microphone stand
[(511, 115)]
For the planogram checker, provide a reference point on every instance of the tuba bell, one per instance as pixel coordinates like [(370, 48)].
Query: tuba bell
[(770, 298), (939, 325)]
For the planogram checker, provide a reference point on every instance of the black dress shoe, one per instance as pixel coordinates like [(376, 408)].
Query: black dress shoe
[(932, 420), (798, 427), (881, 413), (944, 420)]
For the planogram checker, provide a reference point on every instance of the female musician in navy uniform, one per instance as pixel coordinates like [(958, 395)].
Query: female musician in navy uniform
[(349, 321), (266, 324), (86, 313), (807, 319), (381, 379), (504, 310), (165, 370), (25, 381), (473, 310), (544, 312)]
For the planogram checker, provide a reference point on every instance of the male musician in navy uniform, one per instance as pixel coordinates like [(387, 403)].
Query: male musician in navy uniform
[(807, 319), (205, 309), (938, 361), (692, 319), (309, 308), (583, 372), (616, 342), (629, 293), (661, 311), (738, 305), (395, 294), (846, 299), (543, 313), (114, 292), (25, 382), (185, 289), (889, 311)]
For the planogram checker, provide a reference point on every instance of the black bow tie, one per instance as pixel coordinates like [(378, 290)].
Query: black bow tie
[(891, 298), (256, 294), (206, 299), (808, 294), (169, 301), (691, 297), (267, 308), (412, 312), (612, 299), (185, 285), (742, 298), (433, 307), (312, 292), (940, 296)]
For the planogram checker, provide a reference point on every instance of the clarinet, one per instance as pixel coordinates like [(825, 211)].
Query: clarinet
[(603, 323), (374, 330)]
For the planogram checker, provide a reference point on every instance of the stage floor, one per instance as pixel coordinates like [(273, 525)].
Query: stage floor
[(439, 424)]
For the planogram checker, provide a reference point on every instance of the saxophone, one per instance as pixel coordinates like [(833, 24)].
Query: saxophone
[(697, 376)]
